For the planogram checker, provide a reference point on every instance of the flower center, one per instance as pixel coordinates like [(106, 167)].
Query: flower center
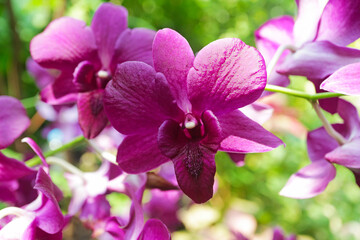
[(190, 121), (193, 127), (103, 77)]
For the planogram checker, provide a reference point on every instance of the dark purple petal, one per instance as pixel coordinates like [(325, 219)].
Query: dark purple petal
[(174, 57), (319, 143), (243, 135), (13, 120), (154, 229), (193, 160), (307, 21), (12, 169), (310, 180), (140, 153), (318, 60), (234, 73), (278, 234), (49, 216), (64, 43), (134, 45), (238, 158), (347, 155), (92, 118), (138, 99), (85, 77), (108, 23), (346, 80), (340, 22), (62, 91), (42, 76)]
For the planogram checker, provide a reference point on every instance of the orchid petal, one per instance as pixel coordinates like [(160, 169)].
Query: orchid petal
[(318, 60), (306, 25), (63, 44), (138, 99), (194, 161), (49, 216), (62, 91), (310, 180), (108, 23), (85, 77), (328, 104), (92, 118), (242, 135), (42, 76), (346, 80), (269, 37), (140, 153), (174, 57), (347, 155), (12, 169), (134, 45), (36, 149), (258, 112), (340, 22), (13, 120), (234, 73), (350, 115), (154, 229), (238, 158), (319, 143)]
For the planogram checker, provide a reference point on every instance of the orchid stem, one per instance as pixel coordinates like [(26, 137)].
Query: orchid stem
[(277, 56), (66, 166), (300, 94), (75, 142), (103, 154), (329, 129)]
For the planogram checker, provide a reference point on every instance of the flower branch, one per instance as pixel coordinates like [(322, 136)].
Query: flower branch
[(296, 93), (36, 160), (329, 129)]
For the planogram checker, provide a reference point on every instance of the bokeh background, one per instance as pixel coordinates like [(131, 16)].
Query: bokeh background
[(251, 189)]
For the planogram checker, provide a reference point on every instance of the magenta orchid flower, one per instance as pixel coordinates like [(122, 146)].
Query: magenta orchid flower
[(317, 38), (323, 152), (87, 58), (186, 109), (40, 219)]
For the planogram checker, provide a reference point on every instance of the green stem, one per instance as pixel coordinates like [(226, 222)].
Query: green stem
[(36, 160), (296, 93), (30, 102)]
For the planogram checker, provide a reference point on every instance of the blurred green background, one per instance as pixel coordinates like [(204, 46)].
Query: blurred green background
[(253, 188)]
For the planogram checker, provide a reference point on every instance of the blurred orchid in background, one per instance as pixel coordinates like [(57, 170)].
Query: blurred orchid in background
[(87, 60)]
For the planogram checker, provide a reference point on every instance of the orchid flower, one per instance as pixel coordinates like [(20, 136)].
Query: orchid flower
[(40, 219), (87, 58), (186, 109), (317, 40), (323, 152)]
